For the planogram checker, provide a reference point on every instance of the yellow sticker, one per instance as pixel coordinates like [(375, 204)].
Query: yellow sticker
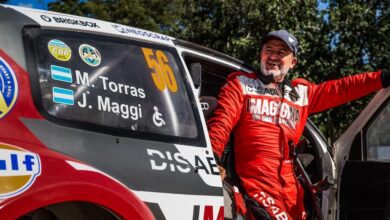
[(59, 50)]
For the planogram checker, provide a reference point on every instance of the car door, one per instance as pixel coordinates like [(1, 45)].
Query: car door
[(363, 161)]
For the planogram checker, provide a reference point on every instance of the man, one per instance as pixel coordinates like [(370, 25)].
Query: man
[(266, 117)]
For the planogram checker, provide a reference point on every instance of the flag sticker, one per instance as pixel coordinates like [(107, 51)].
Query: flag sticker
[(61, 73), (63, 96)]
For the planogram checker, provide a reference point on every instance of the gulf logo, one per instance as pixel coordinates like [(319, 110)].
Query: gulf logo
[(8, 88), (59, 50), (18, 170), (90, 55)]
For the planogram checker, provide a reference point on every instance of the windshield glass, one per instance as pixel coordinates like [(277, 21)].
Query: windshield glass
[(111, 82)]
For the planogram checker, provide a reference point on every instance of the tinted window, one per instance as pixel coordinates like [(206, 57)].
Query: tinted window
[(378, 138), (114, 83)]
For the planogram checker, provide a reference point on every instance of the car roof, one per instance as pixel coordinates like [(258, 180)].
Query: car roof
[(49, 19)]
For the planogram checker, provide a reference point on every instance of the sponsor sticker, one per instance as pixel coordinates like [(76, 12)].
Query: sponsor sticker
[(61, 73), (8, 88), (90, 55), (46, 18), (138, 32), (69, 21), (63, 96), (18, 170), (59, 50)]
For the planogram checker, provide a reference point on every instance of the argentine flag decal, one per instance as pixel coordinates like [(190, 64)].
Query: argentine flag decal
[(61, 73), (63, 96)]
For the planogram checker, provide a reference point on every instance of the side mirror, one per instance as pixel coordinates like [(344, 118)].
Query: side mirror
[(196, 74)]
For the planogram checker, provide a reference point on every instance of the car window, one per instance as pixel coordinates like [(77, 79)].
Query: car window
[(214, 73), (114, 83), (378, 138)]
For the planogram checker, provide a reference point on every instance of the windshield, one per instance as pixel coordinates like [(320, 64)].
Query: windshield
[(112, 82)]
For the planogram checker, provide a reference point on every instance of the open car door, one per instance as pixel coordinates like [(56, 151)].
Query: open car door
[(362, 156)]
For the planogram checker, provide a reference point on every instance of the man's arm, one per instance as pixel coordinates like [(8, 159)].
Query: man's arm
[(337, 92), (230, 102)]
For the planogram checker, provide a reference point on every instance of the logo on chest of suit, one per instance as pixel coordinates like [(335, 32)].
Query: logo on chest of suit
[(273, 111), (260, 90)]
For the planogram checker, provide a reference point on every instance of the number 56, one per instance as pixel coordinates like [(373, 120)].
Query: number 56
[(163, 75)]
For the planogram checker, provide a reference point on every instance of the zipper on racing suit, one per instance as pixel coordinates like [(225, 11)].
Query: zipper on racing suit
[(280, 90), (293, 96)]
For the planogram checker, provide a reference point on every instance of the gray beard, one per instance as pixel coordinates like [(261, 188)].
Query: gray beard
[(278, 74)]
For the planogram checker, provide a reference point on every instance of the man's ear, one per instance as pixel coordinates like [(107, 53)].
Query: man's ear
[(294, 62)]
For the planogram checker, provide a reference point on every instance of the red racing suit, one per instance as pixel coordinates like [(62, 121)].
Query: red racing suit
[(264, 120)]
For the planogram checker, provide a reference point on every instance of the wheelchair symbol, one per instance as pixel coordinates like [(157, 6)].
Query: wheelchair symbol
[(157, 118)]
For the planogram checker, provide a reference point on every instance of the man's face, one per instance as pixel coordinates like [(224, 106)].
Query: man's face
[(276, 59)]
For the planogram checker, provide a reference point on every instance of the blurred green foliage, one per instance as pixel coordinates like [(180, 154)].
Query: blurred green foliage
[(338, 39)]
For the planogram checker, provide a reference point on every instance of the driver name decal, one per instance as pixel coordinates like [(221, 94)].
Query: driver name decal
[(126, 111), (104, 102)]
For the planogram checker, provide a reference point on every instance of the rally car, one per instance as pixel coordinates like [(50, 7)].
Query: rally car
[(99, 121)]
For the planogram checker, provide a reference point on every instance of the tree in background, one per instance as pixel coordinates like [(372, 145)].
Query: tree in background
[(154, 15), (359, 33), (344, 38)]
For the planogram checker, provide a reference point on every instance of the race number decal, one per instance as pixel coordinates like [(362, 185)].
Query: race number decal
[(163, 76)]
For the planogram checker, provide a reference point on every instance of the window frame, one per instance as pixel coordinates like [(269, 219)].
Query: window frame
[(365, 129)]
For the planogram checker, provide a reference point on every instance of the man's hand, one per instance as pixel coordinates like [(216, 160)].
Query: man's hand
[(385, 77), (222, 171)]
